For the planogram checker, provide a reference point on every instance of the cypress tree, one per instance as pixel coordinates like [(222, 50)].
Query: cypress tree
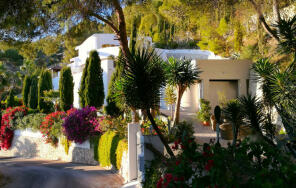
[(66, 86), (26, 90), (44, 84), (10, 102), (82, 85), (33, 93), (112, 108), (94, 87), (133, 36)]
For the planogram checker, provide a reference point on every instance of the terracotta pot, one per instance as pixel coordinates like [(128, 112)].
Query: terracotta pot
[(206, 123)]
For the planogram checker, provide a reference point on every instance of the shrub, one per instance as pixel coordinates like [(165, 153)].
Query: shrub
[(26, 89), (119, 125), (32, 121), (66, 86), (66, 143), (94, 143), (122, 147), (81, 124), (33, 93), (107, 149), (82, 84), (6, 129), (44, 84), (94, 87), (51, 127), (204, 113), (10, 102)]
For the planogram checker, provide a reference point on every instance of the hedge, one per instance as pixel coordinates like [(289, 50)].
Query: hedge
[(122, 146), (107, 149), (66, 86), (26, 90)]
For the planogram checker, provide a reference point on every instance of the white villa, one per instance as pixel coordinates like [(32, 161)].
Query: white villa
[(219, 75)]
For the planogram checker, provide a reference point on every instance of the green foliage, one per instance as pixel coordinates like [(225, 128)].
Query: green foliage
[(66, 87), (170, 96), (116, 124), (204, 113), (44, 84), (94, 86), (121, 148), (142, 79), (233, 113), (238, 36), (94, 143), (153, 172), (66, 143), (133, 37), (33, 93), (82, 84), (32, 121), (10, 102), (26, 89), (107, 149), (183, 129)]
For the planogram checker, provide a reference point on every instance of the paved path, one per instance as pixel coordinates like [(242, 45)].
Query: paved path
[(34, 173)]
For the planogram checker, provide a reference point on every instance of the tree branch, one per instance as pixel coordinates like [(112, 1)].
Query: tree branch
[(262, 20), (108, 22)]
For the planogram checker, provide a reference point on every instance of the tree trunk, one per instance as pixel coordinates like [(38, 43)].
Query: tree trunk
[(261, 19), (135, 118), (172, 112), (160, 135), (178, 105), (122, 36)]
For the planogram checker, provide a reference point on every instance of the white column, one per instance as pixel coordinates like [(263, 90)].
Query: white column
[(133, 128)]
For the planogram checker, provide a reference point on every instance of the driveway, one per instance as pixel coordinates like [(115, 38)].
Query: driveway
[(34, 173)]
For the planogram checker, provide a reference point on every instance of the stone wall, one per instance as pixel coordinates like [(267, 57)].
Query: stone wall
[(30, 144)]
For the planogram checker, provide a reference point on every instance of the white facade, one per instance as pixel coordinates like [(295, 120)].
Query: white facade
[(107, 54)]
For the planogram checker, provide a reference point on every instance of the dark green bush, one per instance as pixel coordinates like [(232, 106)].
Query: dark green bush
[(44, 84), (82, 84), (66, 86), (33, 93), (10, 102), (94, 86), (26, 90)]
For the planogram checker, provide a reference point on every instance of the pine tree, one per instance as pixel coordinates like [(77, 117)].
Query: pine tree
[(44, 84), (66, 87), (33, 93), (82, 85), (10, 102), (26, 89), (94, 86)]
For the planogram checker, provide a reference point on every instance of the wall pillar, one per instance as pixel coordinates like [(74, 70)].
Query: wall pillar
[(133, 128)]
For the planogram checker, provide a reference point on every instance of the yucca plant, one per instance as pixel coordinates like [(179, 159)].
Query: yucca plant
[(140, 85), (233, 113), (258, 117)]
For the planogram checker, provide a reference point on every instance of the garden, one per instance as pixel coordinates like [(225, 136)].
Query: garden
[(259, 154)]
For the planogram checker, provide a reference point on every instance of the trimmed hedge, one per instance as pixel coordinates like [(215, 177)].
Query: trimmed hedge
[(122, 146), (33, 93), (82, 85), (107, 149), (44, 84), (10, 102)]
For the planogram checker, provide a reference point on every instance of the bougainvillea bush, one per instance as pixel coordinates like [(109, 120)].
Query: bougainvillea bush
[(7, 121), (248, 164), (51, 127), (79, 125)]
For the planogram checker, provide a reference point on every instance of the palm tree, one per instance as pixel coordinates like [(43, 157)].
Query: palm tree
[(140, 85), (181, 74)]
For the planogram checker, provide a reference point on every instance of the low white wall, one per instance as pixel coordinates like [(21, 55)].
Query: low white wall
[(30, 144)]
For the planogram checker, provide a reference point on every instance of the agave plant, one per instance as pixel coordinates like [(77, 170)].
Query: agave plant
[(140, 85)]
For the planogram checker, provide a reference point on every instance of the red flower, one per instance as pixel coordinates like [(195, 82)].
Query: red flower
[(159, 183), (209, 165), (178, 162)]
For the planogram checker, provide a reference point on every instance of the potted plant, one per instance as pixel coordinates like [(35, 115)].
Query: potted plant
[(204, 113)]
